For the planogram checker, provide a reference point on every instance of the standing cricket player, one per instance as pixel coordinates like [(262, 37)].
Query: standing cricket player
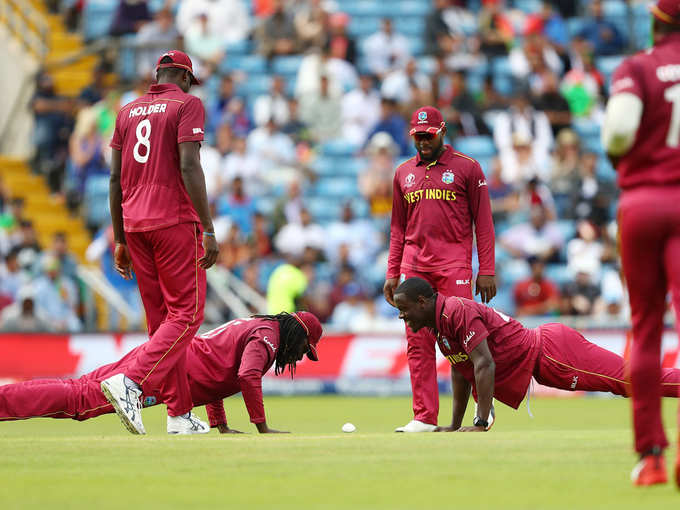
[(438, 196), (163, 231), (494, 356), (220, 363), (641, 134)]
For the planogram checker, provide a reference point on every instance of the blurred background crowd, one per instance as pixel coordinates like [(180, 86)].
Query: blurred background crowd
[(307, 104)]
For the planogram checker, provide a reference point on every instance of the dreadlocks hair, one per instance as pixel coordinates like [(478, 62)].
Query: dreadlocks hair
[(291, 336), (412, 288)]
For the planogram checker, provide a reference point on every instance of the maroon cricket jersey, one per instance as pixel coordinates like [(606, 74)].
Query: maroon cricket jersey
[(229, 359), (462, 324), (653, 76), (148, 133), (434, 207)]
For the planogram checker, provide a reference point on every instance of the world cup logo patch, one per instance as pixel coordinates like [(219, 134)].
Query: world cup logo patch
[(410, 180), (447, 177)]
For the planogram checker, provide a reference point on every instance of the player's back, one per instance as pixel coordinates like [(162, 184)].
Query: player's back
[(148, 133), (653, 76)]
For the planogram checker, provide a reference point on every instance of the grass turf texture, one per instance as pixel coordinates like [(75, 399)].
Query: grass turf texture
[(573, 454)]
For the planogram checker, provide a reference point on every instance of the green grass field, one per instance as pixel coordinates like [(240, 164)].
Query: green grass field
[(574, 454)]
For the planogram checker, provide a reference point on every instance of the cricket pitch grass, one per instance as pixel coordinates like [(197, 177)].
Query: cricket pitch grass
[(574, 454)]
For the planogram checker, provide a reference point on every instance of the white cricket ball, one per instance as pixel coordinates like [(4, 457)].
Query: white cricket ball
[(348, 427)]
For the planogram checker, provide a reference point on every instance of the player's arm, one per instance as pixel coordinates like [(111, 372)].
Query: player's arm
[(194, 182), (480, 209), (485, 373), (121, 256), (461, 394), (254, 361), (397, 233), (218, 418)]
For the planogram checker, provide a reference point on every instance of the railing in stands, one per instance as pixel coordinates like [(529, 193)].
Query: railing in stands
[(27, 25)]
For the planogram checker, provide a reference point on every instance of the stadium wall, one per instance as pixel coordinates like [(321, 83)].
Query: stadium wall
[(356, 364)]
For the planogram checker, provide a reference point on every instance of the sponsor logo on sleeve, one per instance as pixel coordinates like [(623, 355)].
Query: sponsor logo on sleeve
[(269, 344), (468, 337), (198, 131), (447, 177), (622, 84), (482, 182), (574, 381)]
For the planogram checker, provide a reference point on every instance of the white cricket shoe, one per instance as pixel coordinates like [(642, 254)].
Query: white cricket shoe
[(126, 401), (416, 426), (187, 424)]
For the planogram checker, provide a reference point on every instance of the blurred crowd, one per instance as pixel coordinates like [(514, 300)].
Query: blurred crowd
[(306, 121)]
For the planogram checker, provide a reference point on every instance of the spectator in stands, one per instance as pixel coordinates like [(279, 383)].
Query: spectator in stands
[(386, 50), (13, 215), (277, 35), (53, 117), (586, 250), (312, 24), (294, 238), (564, 167), (537, 193), (342, 45), (519, 163), (375, 181), (360, 110), (240, 163), (234, 249), (392, 123), (550, 101), (444, 24), (601, 33), (504, 197), (22, 316), (26, 240), (287, 286), (495, 29), (273, 105), (201, 42), (295, 128), (553, 26), (538, 237), (57, 296), (322, 112), (288, 209), (351, 310), (275, 152), (96, 90), (322, 62), (130, 15), (534, 57), (237, 117), (592, 197), (583, 85), (227, 18), (359, 236), (522, 119), (86, 155), (59, 250), (139, 88), (12, 278), (155, 38), (399, 83), (536, 295), (345, 276), (261, 236), (581, 296), (238, 206), (213, 159), (460, 108), (613, 295), (490, 99), (217, 105)]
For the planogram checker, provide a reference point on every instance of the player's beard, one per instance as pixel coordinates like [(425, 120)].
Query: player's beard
[(436, 150)]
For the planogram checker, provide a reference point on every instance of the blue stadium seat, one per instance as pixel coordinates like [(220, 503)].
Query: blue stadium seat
[(558, 273), (568, 229), (410, 27), (413, 9), (476, 146), (528, 6), (605, 171), (246, 63), (417, 45), (350, 167), (336, 187), (586, 128), (607, 65), (244, 47), (361, 208), (322, 209), (363, 8), (363, 27), (513, 271), (255, 85), (97, 18), (341, 148), (614, 9), (96, 200), (326, 165), (575, 25), (286, 65)]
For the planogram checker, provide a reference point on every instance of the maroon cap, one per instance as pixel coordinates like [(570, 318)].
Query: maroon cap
[(180, 60), (667, 11), (426, 120), (314, 330)]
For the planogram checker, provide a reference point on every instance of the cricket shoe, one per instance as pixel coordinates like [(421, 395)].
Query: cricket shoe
[(651, 470), (125, 399), (416, 426), (187, 424)]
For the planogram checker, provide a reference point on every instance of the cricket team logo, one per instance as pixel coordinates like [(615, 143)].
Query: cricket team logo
[(447, 177), (410, 180), (422, 117), (446, 343)]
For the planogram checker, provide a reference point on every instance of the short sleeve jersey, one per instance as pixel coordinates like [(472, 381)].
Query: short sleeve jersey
[(654, 77), (148, 133), (462, 324)]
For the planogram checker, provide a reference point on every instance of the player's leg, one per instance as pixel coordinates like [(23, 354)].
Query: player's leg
[(642, 253), (183, 285), (52, 398)]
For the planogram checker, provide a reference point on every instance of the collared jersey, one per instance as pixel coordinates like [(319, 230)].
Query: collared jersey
[(434, 207), (229, 359), (653, 76), (462, 324), (148, 133)]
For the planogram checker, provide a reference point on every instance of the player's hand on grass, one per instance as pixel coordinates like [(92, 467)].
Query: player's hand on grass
[(263, 428), (388, 289), (472, 429), (449, 428), (211, 250), (121, 261), (224, 429), (485, 287)]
